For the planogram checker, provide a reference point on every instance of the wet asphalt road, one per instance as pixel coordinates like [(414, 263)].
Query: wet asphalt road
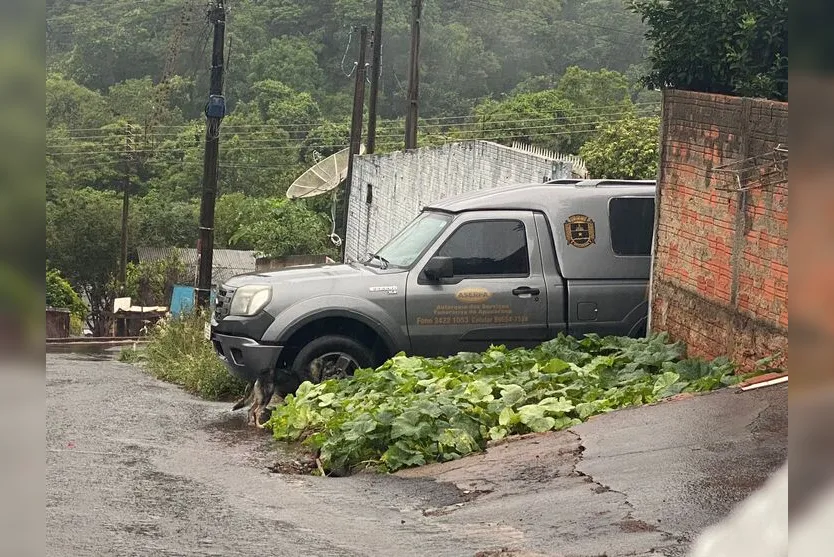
[(138, 467)]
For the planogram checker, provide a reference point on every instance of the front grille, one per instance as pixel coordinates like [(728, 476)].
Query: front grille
[(221, 304)]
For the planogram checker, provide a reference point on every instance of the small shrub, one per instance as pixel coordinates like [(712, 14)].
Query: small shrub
[(76, 325), (178, 352)]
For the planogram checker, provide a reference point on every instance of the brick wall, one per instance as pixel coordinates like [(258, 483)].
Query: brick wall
[(720, 274), (400, 184)]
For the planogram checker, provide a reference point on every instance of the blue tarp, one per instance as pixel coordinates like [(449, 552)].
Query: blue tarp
[(182, 299)]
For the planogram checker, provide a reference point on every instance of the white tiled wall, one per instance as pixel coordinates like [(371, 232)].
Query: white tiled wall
[(403, 183)]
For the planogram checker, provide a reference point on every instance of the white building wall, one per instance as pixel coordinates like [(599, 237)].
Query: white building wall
[(403, 182)]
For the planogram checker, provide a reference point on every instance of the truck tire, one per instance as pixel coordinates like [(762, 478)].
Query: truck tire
[(331, 357)]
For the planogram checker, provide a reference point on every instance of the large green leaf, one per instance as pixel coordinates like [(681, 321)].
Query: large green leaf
[(511, 394), (407, 425), (665, 382), (479, 391), (556, 405), (508, 417), (400, 455), (540, 424)]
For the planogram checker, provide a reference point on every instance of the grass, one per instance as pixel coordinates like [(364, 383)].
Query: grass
[(177, 352)]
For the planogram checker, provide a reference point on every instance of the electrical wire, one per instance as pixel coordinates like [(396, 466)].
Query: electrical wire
[(334, 238), (480, 127), (308, 126), (347, 47), (343, 146)]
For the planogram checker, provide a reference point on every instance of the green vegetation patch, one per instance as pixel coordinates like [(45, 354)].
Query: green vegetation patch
[(178, 352), (413, 410)]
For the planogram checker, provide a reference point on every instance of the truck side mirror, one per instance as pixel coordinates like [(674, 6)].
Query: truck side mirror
[(438, 268)]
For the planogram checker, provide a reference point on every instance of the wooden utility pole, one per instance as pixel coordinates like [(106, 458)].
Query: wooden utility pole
[(355, 126), (215, 111), (125, 202), (413, 76), (376, 56)]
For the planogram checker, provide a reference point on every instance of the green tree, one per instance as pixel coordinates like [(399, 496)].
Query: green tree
[(233, 212), (94, 158), (60, 294), (286, 228), (733, 47), (151, 283), (260, 157), (83, 231), (70, 105), (597, 93), (542, 118), (280, 104), (176, 168), (562, 118), (133, 100), (626, 150), (162, 222), (294, 60)]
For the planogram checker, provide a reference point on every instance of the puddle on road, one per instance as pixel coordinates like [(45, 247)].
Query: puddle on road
[(84, 353)]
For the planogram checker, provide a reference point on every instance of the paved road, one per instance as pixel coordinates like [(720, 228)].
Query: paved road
[(138, 467)]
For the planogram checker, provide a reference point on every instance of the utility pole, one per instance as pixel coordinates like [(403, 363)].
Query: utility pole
[(376, 56), (355, 126), (121, 324), (215, 111), (413, 76), (125, 203)]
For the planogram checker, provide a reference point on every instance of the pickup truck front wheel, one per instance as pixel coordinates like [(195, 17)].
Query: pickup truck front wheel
[(331, 357)]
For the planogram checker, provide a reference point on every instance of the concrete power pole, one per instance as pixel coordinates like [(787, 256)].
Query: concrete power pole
[(355, 127), (215, 111), (376, 56), (413, 77)]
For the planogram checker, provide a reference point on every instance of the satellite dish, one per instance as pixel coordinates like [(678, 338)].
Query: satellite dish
[(322, 177)]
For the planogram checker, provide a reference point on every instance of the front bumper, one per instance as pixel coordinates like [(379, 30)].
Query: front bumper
[(244, 357)]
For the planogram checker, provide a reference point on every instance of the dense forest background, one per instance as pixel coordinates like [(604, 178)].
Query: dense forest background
[(550, 72), (470, 49)]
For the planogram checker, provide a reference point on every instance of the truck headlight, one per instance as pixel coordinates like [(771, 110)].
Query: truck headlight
[(250, 299)]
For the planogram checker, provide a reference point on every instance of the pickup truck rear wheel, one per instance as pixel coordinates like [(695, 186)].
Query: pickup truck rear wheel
[(331, 357)]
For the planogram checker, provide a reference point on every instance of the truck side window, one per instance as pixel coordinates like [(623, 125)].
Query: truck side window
[(494, 247), (632, 225)]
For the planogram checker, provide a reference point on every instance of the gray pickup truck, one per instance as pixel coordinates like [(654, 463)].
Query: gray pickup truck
[(514, 265)]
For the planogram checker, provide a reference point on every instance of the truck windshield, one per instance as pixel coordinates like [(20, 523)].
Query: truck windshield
[(404, 249)]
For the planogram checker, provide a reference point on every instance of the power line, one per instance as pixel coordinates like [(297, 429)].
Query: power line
[(487, 125), (347, 47), (312, 126), (343, 145), (464, 135)]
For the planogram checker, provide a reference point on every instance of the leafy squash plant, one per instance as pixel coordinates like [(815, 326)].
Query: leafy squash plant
[(413, 410)]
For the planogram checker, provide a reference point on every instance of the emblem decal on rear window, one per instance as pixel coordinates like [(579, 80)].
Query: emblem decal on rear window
[(580, 231)]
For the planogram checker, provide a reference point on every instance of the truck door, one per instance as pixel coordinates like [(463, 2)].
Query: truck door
[(495, 294)]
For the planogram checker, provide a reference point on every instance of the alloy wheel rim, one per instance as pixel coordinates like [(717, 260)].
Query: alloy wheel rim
[(333, 365)]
